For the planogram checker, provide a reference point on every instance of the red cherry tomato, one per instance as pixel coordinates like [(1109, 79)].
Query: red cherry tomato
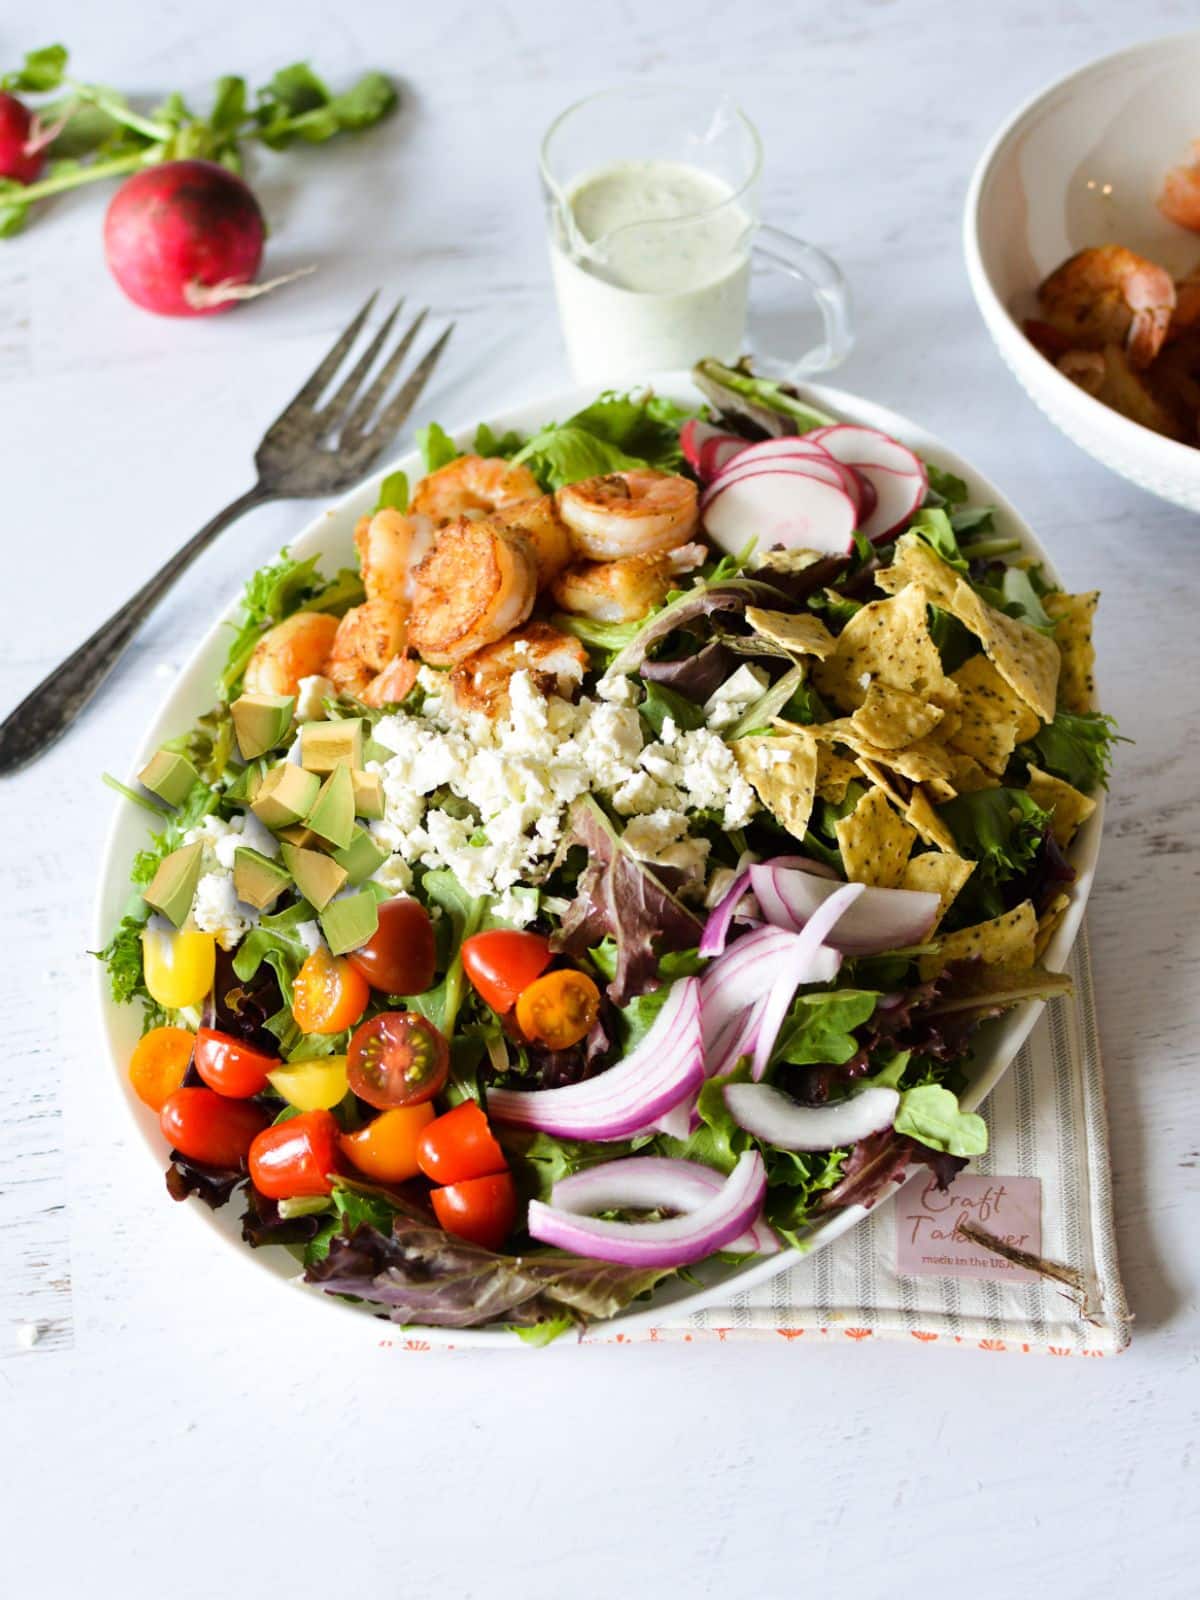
[(397, 1059), (229, 1066), (209, 1128), (482, 1210), (500, 964), (399, 956), (459, 1146), (296, 1157)]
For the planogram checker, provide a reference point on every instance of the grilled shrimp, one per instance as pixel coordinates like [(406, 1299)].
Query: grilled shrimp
[(555, 661), (472, 483), (367, 661), (634, 513), (623, 591), (1180, 197), (293, 649), (390, 545), (476, 584), (541, 524), (1110, 296)]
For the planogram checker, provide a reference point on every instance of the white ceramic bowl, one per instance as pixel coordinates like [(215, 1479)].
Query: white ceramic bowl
[(1079, 165), (331, 536)]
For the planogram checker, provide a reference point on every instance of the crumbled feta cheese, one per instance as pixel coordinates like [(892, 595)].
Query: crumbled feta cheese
[(217, 910), (734, 697), (395, 875), (662, 839), (310, 698), (618, 690), (309, 935)]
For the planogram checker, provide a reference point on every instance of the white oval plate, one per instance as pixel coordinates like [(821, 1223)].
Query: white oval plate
[(331, 536)]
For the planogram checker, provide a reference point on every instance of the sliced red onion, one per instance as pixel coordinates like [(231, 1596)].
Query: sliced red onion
[(800, 966), (677, 1242), (881, 919), (742, 975), (716, 929), (677, 1122), (652, 1183), (666, 1067), (771, 1116)]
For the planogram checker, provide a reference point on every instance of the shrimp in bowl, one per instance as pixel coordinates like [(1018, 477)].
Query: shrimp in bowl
[(636, 513)]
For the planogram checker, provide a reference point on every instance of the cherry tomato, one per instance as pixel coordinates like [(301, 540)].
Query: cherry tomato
[(295, 1157), (178, 967), (500, 964), (482, 1210), (459, 1146), (397, 1059), (328, 994), (209, 1128), (559, 1009), (231, 1067), (399, 957), (386, 1149), (158, 1063)]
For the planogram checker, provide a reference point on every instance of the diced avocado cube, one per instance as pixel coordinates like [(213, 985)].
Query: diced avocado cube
[(350, 922), (304, 838), (374, 751), (261, 721), (173, 887), (360, 857), (247, 783), (168, 775), (257, 879), (325, 745), (286, 795), (318, 877), (368, 794), (332, 813)]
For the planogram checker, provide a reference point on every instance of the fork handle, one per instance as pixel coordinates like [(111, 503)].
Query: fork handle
[(48, 711)]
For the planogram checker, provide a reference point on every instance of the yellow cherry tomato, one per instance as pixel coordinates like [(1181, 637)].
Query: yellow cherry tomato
[(559, 1009), (178, 967), (311, 1085), (386, 1149)]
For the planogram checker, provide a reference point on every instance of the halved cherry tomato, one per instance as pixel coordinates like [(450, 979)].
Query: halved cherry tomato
[(559, 1009), (397, 1059), (500, 964), (209, 1128), (482, 1210), (328, 994), (158, 1064), (178, 967), (295, 1157), (231, 1067), (399, 957), (459, 1146), (386, 1149)]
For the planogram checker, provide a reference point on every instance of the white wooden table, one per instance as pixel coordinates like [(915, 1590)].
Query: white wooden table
[(180, 1428)]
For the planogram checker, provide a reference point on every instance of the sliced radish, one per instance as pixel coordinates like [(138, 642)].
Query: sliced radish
[(866, 447), (707, 449), (860, 489), (770, 1115), (898, 495), (794, 509), (825, 468)]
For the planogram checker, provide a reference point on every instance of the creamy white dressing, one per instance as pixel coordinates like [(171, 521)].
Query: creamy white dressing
[(651, 268)]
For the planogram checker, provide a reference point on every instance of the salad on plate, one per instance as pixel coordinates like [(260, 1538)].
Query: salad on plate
[(607, 874)]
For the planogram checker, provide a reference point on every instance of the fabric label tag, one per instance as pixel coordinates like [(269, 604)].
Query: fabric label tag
[(928, 1241)]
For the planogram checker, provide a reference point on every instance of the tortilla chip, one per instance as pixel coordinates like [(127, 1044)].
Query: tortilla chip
[(802, 635), (1007, 940), (782, 769), (887, 640), (1067, 807), (875, 842), (968, 775), (915, 563), (924, 818), (890, 717), (1073, 636), (938, 872), (882, 779), (1026, 660), (919, 762), (1048, 923), (835, 774), (991, 715)]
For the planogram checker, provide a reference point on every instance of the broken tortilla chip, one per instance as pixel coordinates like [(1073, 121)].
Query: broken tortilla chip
[(891, 717), (1067, 807), (1073, 636), (1048, 923), (888, 640), (835, 774), (1007, 940), (924, 818), (1026, 660), (937, 872), (992, 716), (968, 775), (782, 770), (915, 563), (802, 635), (875, 842)]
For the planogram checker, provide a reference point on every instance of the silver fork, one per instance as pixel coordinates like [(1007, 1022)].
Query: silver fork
[(298, 458)]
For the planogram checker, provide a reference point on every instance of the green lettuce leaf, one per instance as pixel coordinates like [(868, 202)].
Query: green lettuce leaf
[(616, 433), (930, 1114), (933, 526), (1001, 829), (275, 592), (393, 493), (1076, 747), (820, 1027)]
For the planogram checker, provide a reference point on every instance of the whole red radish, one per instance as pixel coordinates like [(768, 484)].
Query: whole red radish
[(16, 128), (184, 239)]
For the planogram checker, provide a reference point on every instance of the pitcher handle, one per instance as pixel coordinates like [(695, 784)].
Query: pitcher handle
[(822, 276)]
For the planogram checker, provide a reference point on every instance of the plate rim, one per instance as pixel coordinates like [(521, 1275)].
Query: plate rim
[(113, 891)]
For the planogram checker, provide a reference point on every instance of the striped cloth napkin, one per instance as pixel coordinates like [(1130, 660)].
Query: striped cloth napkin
[(1047, 1122)]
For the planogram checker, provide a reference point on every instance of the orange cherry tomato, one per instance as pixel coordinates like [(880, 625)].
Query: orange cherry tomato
[(459, 1146), (295, 1157), (209, 1128), (386, 1149), (329, 995), (482, 1210), (399, 957), (397, 1059), (231, 1067), (559, 1009), (500, 964), (158, 1064)]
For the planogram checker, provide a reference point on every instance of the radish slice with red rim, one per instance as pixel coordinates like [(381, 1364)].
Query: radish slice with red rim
[(707, 449), (866, 447), (897, 496), (880, 919), (806, 462), (778, 507), (770, 1115)]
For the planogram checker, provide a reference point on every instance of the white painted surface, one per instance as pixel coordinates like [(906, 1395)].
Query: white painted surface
[(201, 1436)]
